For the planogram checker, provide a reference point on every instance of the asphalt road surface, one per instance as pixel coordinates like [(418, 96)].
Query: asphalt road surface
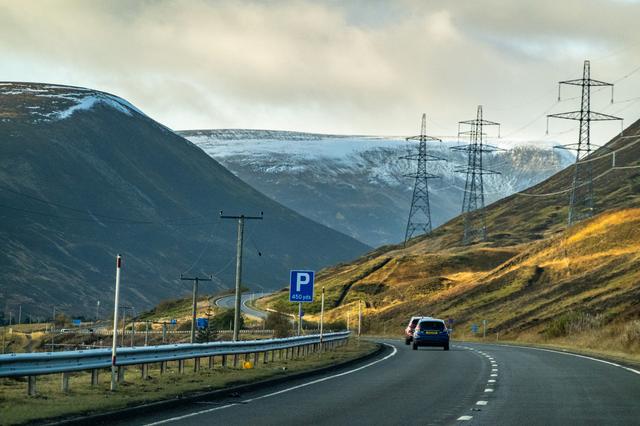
[(470, 384), (229, 301)]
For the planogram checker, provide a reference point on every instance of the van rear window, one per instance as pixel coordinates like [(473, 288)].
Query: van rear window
[(415, 322), (431, 325)]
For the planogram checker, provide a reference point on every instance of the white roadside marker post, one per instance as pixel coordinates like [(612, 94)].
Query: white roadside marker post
[(115, 326)]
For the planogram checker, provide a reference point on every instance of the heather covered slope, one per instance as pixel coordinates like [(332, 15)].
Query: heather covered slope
[(84, 175)]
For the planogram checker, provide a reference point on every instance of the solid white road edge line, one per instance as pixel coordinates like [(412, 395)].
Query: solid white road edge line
[(197, 413), (576, 355)]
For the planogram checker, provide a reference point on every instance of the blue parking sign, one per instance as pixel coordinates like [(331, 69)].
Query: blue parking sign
[(202, 323), (301, 289)]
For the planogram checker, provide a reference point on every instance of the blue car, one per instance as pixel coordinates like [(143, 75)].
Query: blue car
[(431, 332)]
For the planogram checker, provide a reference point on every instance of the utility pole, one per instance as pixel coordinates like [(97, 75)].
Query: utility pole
[(194, 308), (475, 227), (53, 331), (97, 310), (419, 221), (240, 219), (581, 204), (299, 318), (19, 314), (114, 344)]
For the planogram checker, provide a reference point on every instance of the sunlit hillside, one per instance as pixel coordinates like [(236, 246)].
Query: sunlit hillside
[(534, 279)]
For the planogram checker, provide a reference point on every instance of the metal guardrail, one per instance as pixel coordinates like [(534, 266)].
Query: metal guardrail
[(34, 364)]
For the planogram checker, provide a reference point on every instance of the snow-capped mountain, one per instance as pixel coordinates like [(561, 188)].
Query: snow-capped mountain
[(358, 184)]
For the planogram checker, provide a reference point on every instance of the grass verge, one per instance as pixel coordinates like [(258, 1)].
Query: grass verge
[(17, 408)]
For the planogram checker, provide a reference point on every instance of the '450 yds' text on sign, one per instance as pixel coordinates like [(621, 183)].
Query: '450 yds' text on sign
[(301, 286)]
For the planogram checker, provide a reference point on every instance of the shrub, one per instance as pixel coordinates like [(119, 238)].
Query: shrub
[(573, 322), (280, 324), (223, 319), (630, 335)]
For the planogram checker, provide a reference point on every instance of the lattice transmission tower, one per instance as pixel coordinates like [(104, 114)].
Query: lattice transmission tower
[(475, 227), (419, 221), (581, 200)]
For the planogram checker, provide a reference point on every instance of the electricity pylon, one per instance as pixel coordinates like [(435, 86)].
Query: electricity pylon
[(419, 221), (581, 203), (475, 227)]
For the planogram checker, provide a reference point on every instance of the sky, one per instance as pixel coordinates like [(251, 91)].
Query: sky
[(344, 67)]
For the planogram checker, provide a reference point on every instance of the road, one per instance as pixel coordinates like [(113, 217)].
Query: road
[(228, 302), (472, 384)]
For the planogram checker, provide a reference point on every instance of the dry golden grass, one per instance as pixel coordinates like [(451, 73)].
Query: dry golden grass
[(521, 289)]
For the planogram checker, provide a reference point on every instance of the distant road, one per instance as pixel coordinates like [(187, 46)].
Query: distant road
[(476, 384), (229, 302)]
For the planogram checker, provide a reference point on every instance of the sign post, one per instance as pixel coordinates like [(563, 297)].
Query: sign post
[(301, 291), (115, 326)]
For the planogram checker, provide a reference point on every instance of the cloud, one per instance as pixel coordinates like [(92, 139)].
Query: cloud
[(366, 67)]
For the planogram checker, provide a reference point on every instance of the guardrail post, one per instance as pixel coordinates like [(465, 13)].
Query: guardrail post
[(196, 365), (181, 366), (163, 367), (211, 362), (265, 357), (145, 371), (297, 352), (120, 374), (31, 385), (224, 361), (65, 382), (235, 360), (256, 357), (273, 356), (94, 377)]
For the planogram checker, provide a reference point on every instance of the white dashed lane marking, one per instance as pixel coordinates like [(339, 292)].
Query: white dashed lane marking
[(482, 402)]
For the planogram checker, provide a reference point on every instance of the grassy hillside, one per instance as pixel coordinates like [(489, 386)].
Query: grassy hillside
[(534, 280)]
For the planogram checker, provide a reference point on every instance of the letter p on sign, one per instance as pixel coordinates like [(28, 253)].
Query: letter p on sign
[(301, 286), (303, 278)]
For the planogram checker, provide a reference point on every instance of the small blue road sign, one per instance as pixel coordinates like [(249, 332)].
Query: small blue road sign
[(174, 322), (202, 323), (301, 289), (474, 328), (76, 322)]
